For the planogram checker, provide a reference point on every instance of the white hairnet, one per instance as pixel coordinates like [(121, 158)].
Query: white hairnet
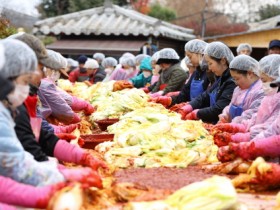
[(244, 46), (72, 62), (219, 50), (98, 56), (19, 58), (140, 57), (2, 56), (270, 65), (91, 64), (109, 62), (196, 46), (155, 56), (62, 62), (245, 63), (168, 53), (129, 61)]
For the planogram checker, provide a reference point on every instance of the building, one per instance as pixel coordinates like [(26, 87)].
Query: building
[(112, 30)]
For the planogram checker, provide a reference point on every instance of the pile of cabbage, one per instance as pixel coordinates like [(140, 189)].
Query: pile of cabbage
[(155, 137)]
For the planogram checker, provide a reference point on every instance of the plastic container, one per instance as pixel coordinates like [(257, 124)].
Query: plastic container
[(92, 140), (103, 124)]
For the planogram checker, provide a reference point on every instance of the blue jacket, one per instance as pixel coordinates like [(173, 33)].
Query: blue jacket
[(18, 164), (140, 81)]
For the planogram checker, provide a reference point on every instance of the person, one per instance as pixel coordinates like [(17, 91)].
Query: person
[(109, 64), (244, 48), (79, 74), (127, 71), (143, 79), (197, 83), (190, 66), (248, 94), (20, 63), (172, 76), (95, 73), (265, 116), (99, 57), (274, 47), (71, 65), (211, 103), (138, 59)]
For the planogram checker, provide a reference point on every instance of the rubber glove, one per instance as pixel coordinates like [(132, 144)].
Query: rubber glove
[(177, 107), (80, 104), (122, 84), (222, 139), (89, 109), (192, 115), (72, 153), (145, 89), (7, 207), (172, 93), (16, 193), (76, 119), (66, 136), (225, 154), (230, 127), (64, 129), (86, 176), (241, 137), (164, 100), (185, 110), (156, 94)]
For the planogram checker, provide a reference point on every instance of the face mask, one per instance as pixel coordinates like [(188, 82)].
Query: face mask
[(19, 95), (269, 90), (129, 71), (147, 74), (108, 71), (55, 76)]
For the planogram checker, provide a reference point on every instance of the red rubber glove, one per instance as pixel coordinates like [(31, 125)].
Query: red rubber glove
[(145, 89), (89, 109), (222, 139), (64, 129), (230, 127), (66, 136), (87, 176), (192, 115), (241, 137), (76, 119), (245, 150), (94, 163), (185, 110), (164, 100), (172, 93), (177, 107), (225, 154)]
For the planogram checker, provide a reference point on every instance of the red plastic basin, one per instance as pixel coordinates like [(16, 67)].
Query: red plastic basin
[(92, 140), (103, 124)]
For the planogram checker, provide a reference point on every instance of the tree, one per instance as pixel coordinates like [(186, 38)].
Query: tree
[(268, 11), (5, 28), (162, 13)]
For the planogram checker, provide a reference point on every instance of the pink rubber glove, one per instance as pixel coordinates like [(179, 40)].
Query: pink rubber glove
[(80, 104), (4, 206), (172, 93), (192, 115), (156, 94), (240, 137), (185, 110), (86, 176), (64, 129), (15, 193), (230, 127), (72, 153), (76, 119)]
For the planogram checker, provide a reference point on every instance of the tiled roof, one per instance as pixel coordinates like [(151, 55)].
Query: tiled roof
[(269, 23), (112, 20)]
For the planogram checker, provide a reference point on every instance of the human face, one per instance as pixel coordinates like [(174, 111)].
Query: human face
[(265, 78), (244, 52), (23, 79), (37, 76), (191, 68), (164, 66), (217, 68), (274, 50), (243, 81), (194, 58)]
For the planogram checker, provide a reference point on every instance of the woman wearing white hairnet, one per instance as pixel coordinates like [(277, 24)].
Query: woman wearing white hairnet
[(267, 114), (109, 64), (244, 48), (172, 76), (248, 94), (211, 103)]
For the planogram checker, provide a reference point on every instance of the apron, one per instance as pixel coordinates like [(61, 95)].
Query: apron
[(235, 110), (196, 88), (213, 94)]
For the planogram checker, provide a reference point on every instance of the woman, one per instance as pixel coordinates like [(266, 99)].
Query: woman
[(266, 115), (248, 94), (198, 81), (109, 64), (143, 79), (211, 103)]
